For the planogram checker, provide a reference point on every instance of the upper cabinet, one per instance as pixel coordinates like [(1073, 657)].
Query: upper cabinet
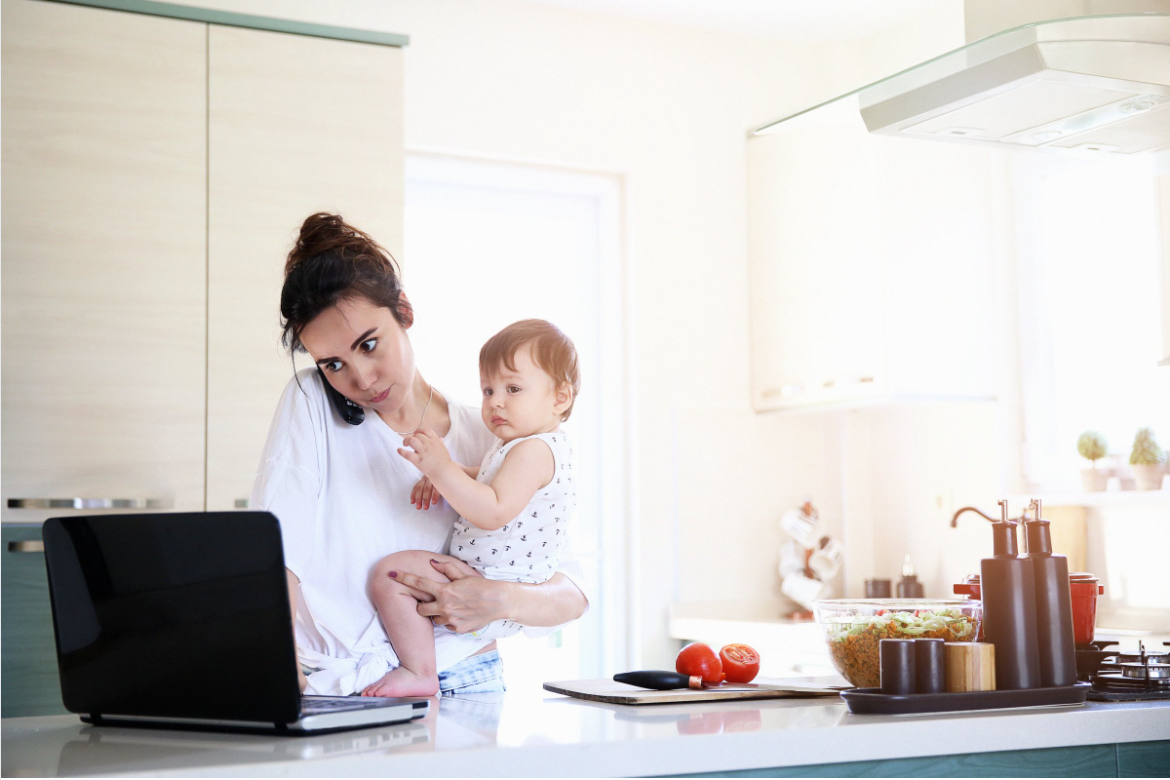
[(296, 125), (872, 274), (156, 171), (104, 252), (1164, 232)]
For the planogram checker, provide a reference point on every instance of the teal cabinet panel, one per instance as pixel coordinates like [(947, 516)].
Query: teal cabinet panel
[(27, 648), (1144, 759), (1080, 761)]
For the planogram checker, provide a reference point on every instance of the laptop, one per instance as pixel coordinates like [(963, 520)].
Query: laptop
[(182, 620)]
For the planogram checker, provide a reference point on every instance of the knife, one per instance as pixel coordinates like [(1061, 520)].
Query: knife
[(667, 681)]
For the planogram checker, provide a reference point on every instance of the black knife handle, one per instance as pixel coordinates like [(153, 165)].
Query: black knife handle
[(659, 681)]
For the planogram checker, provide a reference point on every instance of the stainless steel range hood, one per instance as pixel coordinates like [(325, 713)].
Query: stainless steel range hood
[(1097, 83)]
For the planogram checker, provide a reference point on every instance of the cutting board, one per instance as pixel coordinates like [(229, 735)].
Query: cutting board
[(619, 693)]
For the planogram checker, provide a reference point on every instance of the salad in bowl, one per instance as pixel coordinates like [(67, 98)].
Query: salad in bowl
[(855, 628)]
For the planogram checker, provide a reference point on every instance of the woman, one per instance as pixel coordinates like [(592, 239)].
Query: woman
[(342, 493)]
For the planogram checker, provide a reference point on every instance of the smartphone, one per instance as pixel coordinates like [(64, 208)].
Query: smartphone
[(349, 411)]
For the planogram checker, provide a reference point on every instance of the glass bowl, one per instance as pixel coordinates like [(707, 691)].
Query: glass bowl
[(855, 627)]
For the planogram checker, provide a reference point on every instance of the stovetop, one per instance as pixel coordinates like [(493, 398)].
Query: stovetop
[(1125, 674)]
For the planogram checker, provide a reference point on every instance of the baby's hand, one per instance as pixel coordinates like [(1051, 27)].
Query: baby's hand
[(425, 494), (429, 452)]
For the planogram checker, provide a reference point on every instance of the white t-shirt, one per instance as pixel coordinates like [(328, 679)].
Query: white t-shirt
[(342, 495)]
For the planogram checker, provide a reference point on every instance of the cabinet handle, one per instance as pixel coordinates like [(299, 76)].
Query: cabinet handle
[(783, 391), (27, 547), (90, 503)]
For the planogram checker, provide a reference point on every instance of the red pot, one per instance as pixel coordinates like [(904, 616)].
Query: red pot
[(1085, 589)]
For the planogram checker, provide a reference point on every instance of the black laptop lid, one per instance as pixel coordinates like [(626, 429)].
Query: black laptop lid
[(173, 615)]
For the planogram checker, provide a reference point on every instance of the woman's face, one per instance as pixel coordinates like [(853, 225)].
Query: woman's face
[(364, 353)]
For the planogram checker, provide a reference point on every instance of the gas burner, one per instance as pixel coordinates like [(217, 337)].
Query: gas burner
[(1124, 676)]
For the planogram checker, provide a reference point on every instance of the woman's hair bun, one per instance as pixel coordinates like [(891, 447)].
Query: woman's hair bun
[(332, 260), (323, 233)]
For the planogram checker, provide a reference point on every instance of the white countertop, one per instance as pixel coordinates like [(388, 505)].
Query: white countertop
[(534, 733)]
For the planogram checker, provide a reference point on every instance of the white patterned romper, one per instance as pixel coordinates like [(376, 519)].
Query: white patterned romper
[(528, 548)]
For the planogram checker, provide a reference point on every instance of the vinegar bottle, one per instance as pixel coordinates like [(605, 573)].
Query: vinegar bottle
[(1054, 625), (1008, 589)]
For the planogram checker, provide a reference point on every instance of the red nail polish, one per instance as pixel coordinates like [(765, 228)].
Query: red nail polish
[(393, 574)]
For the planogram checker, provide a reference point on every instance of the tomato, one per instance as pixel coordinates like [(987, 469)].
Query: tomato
[(741, 663), (699, 660)]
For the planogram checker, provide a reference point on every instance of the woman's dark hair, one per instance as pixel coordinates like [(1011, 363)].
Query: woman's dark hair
[(331, 262)]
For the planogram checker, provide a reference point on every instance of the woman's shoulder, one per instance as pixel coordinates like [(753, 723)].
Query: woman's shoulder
[(307, 384), (303, 396)]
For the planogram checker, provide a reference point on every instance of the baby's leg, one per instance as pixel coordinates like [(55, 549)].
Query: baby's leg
[(411, 635)]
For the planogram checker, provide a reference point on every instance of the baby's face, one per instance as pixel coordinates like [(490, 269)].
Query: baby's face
[(522, 402)]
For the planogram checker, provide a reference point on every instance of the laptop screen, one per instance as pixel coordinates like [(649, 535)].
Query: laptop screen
[(181, 615)]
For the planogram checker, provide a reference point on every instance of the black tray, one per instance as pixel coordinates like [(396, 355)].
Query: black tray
[(871, 701)]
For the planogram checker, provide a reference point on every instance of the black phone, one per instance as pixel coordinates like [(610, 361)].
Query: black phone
[(347, 409)]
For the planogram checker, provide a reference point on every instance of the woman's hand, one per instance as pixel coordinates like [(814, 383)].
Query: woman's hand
[(467, 603), (427, 450), (424, 495)]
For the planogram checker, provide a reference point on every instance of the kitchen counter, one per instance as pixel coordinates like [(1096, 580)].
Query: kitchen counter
[(529, 733)]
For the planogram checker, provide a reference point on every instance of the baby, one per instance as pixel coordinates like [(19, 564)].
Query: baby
[(514, 507)]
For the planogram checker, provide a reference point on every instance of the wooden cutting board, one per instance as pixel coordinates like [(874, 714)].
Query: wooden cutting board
[(619, 693)]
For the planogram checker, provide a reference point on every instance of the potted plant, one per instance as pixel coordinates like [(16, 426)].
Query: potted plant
[(1146, 460), (1092, 446)]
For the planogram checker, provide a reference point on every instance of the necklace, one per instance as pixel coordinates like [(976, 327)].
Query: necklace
[(424, 414)]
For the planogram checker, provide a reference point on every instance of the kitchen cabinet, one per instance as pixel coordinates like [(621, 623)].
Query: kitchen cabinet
[(296, 125), (31, 684), (871, 264), (156, 170), (1164, 256), (104, 246)]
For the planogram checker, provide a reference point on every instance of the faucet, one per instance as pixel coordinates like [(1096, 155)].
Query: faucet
[(955, 520)]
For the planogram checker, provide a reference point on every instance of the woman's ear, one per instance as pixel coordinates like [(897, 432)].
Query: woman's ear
[(406, 311)]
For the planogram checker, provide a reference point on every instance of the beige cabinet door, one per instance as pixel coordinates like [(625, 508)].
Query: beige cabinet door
[(296, 125), (816, 266), (104, 256)]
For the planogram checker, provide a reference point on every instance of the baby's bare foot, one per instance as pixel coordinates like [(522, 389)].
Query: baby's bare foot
[(403, 682)]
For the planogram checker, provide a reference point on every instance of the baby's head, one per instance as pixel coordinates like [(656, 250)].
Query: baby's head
[(528, 374)]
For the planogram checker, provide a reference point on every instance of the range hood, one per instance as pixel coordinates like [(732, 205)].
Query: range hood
[(1095, 83)]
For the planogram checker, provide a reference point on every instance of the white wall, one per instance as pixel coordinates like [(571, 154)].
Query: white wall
[(667, 109)]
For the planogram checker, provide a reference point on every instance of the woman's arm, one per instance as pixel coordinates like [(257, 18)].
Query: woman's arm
[(469, 601)]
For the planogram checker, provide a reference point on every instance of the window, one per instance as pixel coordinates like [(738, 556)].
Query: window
[(1090, 311), (487, 244)]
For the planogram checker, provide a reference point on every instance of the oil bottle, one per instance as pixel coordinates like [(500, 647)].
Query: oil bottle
[(1054, 626), (1008, 586)]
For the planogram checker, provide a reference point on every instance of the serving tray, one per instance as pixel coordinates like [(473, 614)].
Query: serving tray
[(871, 701)]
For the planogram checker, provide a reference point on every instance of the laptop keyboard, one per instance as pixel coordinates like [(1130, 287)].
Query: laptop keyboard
[(317, 705)]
